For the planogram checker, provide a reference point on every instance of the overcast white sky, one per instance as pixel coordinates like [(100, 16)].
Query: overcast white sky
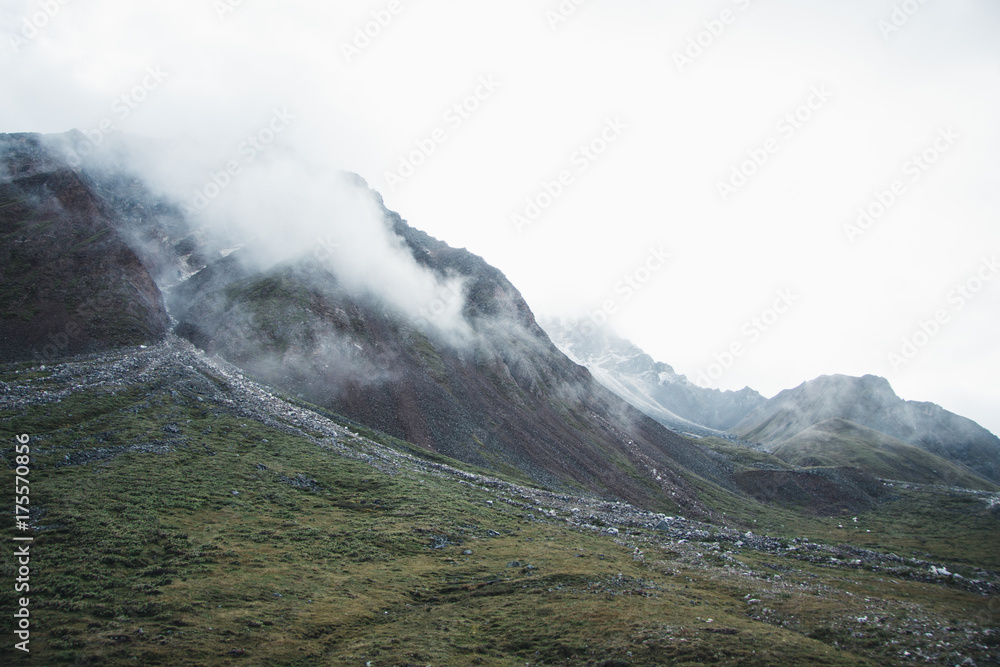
[(883, 88)]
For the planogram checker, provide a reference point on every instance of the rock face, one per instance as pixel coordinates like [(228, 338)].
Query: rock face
[(870, 402), (653, 387), (70, 283)]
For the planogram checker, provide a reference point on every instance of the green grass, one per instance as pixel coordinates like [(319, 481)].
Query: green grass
[(837, 442), (147, 556), (273, 301), (743, 457), (919, 522), (435, 365)]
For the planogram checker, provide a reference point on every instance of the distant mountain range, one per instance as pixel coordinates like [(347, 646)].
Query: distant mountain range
[(832, 420), (841, 443), (869, 401), (652, 386)]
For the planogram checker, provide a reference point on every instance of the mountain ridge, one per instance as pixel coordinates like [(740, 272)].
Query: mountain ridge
[(840, 443), (871, 402), (651, 385), (868, 401), (217, 488)]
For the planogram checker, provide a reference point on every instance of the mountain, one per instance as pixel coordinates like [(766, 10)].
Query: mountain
[(841, 443), (869, 401), (506, 399), (70, 282), (653, 387), (494, 391), (217, 487), (482, 383)]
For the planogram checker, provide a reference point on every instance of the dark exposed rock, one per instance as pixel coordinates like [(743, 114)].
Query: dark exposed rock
[(69, 282)]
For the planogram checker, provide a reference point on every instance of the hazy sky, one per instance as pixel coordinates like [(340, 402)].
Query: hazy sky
[(692, 171)]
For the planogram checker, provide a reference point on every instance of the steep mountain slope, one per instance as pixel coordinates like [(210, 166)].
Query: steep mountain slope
[(837, 442), (869, 401), (70, 282), (505, 399), (653, 387), (491, 390)]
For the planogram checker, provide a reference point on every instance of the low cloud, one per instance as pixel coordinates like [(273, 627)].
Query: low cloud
[(282, 208)]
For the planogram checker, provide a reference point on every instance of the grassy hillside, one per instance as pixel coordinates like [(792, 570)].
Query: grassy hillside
[(742, 457), (837, 442), (183, 516)]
